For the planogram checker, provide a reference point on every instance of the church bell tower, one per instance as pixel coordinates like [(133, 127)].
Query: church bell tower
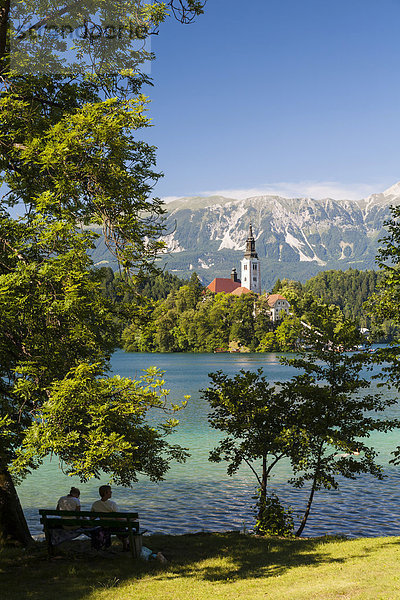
[(251, 275)]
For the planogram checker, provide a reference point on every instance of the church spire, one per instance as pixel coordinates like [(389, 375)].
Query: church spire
[(251, 276), (250, 245)]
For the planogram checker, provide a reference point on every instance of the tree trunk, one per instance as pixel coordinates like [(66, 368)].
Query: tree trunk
[(13, 525), (305, 516), (311, 497), (4, 12), (263, 488)]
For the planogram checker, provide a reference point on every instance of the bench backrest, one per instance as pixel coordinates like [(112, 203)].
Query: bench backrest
[(54, 519)]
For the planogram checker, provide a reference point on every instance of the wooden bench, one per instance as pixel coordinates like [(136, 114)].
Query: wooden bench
[(125, 522)]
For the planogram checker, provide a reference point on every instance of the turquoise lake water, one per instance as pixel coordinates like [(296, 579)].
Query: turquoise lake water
[(199, 495)]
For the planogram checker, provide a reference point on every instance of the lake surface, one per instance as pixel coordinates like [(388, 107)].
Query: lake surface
[(199, 495)]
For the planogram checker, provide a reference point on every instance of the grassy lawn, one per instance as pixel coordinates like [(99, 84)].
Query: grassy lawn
[(210, 566)]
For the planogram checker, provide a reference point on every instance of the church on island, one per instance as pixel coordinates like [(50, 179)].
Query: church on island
[(250, 281)]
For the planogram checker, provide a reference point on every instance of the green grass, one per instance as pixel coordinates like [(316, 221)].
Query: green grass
[(213, 567)]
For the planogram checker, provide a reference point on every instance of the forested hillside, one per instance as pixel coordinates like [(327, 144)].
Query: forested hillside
[(156, 287), (347, 289)]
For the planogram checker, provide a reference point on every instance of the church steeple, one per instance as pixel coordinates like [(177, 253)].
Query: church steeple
[(251, 275), (250, 245)]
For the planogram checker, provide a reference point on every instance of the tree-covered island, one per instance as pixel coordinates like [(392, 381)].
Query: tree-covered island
[(184, 316)]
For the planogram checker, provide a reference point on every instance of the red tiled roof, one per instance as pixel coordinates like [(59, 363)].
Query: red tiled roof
[(273, 298), (221, 284), (241, 290)]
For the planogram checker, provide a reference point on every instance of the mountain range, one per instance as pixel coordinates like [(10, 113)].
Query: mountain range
[(295, 237)]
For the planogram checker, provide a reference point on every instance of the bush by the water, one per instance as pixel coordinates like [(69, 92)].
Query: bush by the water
[(273, 518)]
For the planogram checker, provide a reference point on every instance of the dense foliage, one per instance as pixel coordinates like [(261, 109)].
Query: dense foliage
[(349, 290), (156, 286), (255, 419), (320, 420), (385, 304), (71, 159), (346, 289), (274, 518), (192, 319), (189, 321)]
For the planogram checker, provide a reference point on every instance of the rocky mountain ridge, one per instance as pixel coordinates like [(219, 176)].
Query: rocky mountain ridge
[(295, 237)]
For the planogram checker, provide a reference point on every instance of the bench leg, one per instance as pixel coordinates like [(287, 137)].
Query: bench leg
[(135, 542), (50, 547)]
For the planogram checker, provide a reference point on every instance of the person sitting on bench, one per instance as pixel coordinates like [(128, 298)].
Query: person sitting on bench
[(71, 501), (106, 505)]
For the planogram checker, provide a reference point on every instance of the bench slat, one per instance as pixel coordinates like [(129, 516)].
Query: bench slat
[(87, 513), (85, 523)]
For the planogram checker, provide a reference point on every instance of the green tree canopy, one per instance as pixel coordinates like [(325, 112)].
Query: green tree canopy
[(384, 305), (334, 409), (256, 420), (71, 158), (320, 420)]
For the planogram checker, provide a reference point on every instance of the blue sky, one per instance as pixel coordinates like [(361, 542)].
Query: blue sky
[(298, 98)]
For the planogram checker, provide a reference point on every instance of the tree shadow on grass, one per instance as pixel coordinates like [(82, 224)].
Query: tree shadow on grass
[(220, 557), (237, 556)]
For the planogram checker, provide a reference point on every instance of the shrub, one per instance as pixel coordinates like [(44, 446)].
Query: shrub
[(273, 518)]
